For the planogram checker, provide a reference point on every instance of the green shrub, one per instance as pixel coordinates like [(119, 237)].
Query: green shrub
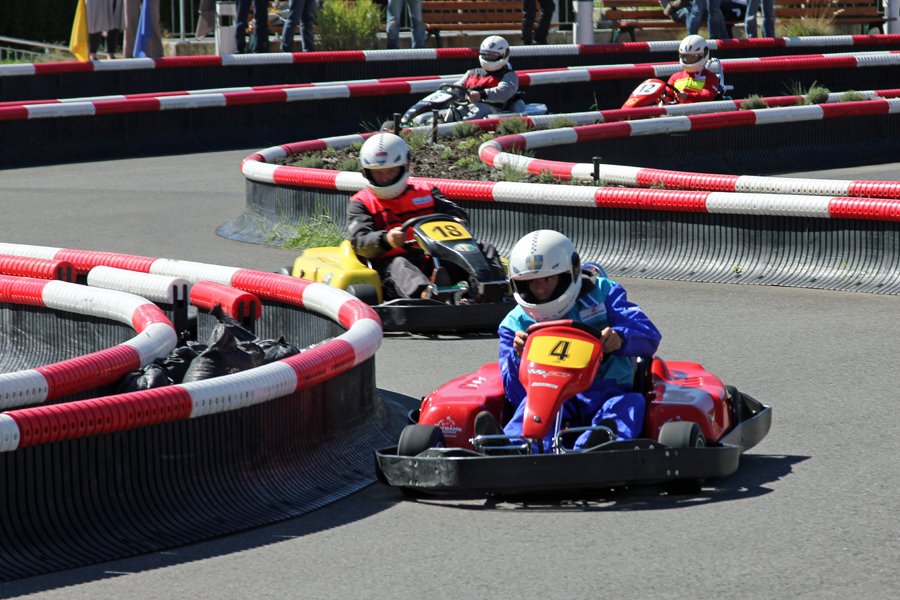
[(310, 161), (414, 139), (512, 126), (817, 94), (342, 25), (511, 174), (348, 164), (561, 122), (546, 176), (465, 129), (853, 96), (754, 102)]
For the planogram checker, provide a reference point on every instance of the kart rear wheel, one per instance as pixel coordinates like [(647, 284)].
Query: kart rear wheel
[(682, 434), (286, 271), (365, 292), (415, 439)]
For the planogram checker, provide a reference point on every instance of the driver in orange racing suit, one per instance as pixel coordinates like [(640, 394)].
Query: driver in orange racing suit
[(375, 216), (695, 83)]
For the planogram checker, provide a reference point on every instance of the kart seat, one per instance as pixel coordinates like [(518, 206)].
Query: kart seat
[(516, 104)]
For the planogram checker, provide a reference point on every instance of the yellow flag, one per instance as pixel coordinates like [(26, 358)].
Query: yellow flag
[(78, 45)]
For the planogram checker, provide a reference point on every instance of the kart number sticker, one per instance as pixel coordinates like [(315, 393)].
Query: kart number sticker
[(443, 231), (567, 352), (647, 88)]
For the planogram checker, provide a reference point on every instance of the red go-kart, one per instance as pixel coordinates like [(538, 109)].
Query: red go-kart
[(656, 92), (695, 427)]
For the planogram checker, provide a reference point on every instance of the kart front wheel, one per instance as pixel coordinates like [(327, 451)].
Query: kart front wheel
[(415, 439), (365, 292), (682, 434)]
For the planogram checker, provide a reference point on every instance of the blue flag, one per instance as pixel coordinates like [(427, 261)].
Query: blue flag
[(144, 32)]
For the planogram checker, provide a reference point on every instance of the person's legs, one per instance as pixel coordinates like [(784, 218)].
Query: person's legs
[(750, 18), (480, 111), (529, 8), (716, 21), (154, 45), (393, 23), (261, 31), (94, 44), (307, 22), (240, 25), (543, 28), (132, 17), (768, 11), (418, 25), (112, 42), (699, 10), (402, 279), (290, 26)]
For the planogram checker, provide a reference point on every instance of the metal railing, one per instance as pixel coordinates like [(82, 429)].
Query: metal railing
[(19, 54)]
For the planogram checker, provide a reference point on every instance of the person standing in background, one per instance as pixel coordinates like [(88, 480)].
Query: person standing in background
[(261, 14), (530, 35), (304, 13), (108, 16), (153, 47), (768, 11), (394, 9), (710, 11)]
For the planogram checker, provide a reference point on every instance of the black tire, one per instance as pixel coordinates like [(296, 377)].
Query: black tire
[(365, 292), (737, 402), (286, 271), (415, 439), (682, 434)]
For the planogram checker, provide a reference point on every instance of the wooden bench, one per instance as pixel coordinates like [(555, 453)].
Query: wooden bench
[(471, 15), (627, 16)]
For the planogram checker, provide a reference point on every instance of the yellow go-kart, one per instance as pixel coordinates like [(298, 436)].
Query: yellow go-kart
[(476, 303)]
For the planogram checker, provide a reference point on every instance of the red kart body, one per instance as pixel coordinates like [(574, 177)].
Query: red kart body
[(555, 371), (649, 93)]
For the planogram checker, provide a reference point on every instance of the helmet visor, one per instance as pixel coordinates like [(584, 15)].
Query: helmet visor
[(691, 59), (491, 55)]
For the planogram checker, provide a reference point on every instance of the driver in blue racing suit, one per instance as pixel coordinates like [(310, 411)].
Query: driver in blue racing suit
[(549, 284)]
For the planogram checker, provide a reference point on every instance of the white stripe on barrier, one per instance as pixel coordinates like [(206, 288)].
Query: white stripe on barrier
[(343, 141), (548, 50), (791, 185), (9, 434), (13, 70), (284, 58), (559, 77), (425, 86), (156, 341), (398, 54), (158, 288), (349, 181), (272, 154), (240, 390), (193, 271), (766, 204), (365, 337), (325, 300), (518, 161), (666, 71), (656, 126), (875, 59), (618, 175), (257, 171), (893, 105), (315, 93), (44, 252), (816, 41), (700, 108), (180, 102), (838, 97), (49, 111), (97, 302), (21, 388), (132, 64), (787, 114), (672, 46), (539, 193), (551, 137), (92, 99)]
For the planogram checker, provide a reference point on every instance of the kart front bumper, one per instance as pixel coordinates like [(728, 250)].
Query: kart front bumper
[(423, 316), (633, 462)]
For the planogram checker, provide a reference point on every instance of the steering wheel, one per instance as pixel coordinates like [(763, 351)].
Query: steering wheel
[(460, 99), (670, 98), (588, 329), (409, 224)]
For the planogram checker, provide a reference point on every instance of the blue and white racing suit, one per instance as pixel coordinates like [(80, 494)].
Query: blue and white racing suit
[(602, 303)]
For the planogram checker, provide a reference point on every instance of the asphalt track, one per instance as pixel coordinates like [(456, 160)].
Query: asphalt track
[(812, 512)]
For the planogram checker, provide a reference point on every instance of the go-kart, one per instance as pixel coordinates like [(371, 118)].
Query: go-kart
[(451, 103), (478, 301), (658, 92), (695, 427)]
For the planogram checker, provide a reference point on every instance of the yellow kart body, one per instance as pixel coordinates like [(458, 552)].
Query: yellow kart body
[(336, 266)]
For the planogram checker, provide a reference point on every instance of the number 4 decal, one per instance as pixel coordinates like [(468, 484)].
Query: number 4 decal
[(560, 351)]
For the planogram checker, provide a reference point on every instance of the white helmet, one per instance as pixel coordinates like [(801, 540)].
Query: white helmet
[(693, 53), (385, 151), (539, 254), (494, 53)]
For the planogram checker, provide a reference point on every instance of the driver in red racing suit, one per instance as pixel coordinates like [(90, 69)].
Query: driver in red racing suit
[(375, 216), (695, 83), (492, 86)]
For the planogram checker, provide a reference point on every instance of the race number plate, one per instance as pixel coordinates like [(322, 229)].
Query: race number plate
[(647, 88), (443, 231), (561, 351)]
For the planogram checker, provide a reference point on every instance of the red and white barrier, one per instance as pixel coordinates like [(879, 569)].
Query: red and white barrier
[(31, 426), (156, 338)]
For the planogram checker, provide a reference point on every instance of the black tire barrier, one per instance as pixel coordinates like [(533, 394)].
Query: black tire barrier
[(81, 501)]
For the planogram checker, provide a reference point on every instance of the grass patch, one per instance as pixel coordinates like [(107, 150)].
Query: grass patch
[(343, 25), (853, 96), (546, 176), (314, 232), (816, 94), (754, 102), (348, 164), (511, 174), (414, 139), (465, 129), (560, 123), (512, 126), (310, 162)]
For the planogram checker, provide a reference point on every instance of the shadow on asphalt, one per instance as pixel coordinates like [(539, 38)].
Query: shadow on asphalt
[(355, 507), (750, 481)]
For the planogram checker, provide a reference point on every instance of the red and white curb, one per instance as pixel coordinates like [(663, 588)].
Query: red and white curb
[(156, 338), (423, 54), (54, 422)]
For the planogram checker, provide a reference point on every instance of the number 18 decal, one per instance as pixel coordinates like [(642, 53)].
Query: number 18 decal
[(560, 351), (446, 230)]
